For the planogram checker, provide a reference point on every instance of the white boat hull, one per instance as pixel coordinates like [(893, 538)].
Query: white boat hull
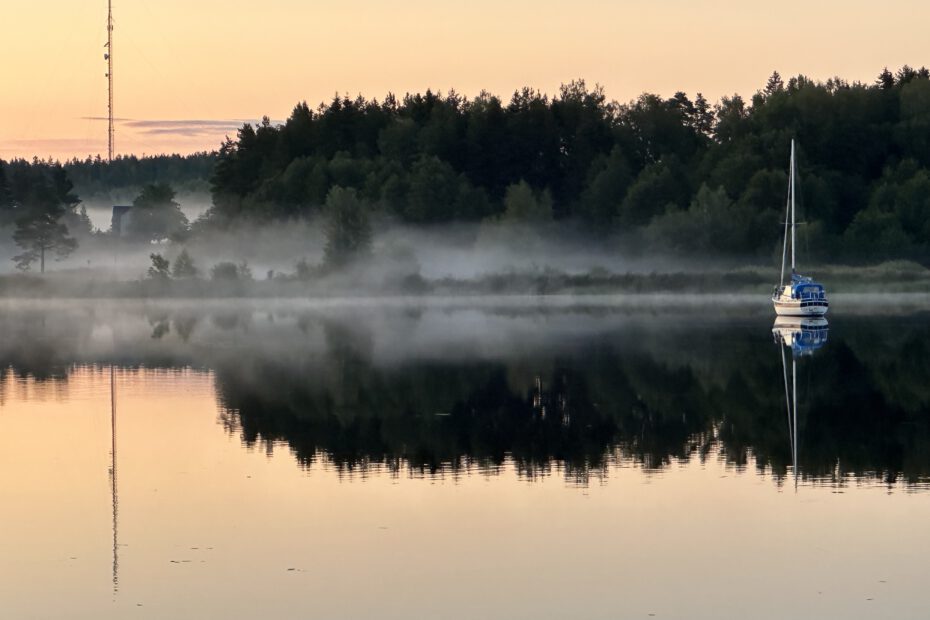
[(794, 307)]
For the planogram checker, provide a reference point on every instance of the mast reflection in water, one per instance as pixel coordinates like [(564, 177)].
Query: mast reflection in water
[(803, 336)]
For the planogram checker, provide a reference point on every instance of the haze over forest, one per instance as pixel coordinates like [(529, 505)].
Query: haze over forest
[(546, 178)]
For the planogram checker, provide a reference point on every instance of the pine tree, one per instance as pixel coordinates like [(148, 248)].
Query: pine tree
[(6, 197), (161, 267), (39, 235), (885, 79), (703, 119), (348, 231), (774, 84), (184, 266)]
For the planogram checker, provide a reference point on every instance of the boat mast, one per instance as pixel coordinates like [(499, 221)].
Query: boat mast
[(784, 245), (792, 205)]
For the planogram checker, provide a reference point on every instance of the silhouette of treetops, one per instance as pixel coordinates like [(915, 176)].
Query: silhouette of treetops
[(674, 174), (97, 176), (658, 167)]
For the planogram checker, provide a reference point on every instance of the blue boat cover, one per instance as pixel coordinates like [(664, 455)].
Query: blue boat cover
[(804, 285), (809, 340)]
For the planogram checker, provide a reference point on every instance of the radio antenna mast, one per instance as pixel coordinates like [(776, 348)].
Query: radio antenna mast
[(108, 56)]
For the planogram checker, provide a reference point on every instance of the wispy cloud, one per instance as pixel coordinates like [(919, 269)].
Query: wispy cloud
[(189, 128), (186, 128), (133, 135)]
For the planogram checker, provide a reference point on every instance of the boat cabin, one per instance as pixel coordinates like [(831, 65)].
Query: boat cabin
[(805, 289)]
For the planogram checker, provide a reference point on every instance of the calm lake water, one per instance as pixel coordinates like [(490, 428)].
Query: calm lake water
[(485, 458)]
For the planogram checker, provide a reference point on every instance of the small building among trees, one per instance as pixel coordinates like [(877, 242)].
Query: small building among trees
[(120, 221)]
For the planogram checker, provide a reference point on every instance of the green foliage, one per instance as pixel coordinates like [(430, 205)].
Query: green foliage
[(913, 131), (304, 271), (433, 191), (712, 220), (429, 158), (6, 197), (155, 215), (78, 222), (244, 271), (184, 266), (97, 176), (878, 235), (432, 158), (38, 197), (522, 204), (896, 222), (905, 192), (38, 235), (225, 271), (348, 229), (658, 188), (161, 267), (231, 272), (610, 181), (398, 141)]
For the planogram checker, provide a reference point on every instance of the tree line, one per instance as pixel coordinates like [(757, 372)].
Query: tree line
[(675, 174), (669, 174), (95, 175)]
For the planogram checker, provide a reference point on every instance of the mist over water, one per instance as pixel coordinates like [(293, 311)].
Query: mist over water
[(462, 251), (257, 447), (434, 355), (627, 371)]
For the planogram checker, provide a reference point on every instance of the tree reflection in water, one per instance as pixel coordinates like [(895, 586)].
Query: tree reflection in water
[(442, 392)]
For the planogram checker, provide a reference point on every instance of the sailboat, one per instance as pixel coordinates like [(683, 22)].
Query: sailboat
[(801, 295)]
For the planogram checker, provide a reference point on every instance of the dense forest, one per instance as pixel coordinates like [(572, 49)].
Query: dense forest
[(674, 175), (680, 174)]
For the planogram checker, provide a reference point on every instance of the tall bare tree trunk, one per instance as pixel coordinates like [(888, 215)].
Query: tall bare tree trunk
[(42, 260)]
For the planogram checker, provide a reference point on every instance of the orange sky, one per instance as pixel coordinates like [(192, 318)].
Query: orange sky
[(222, 61)]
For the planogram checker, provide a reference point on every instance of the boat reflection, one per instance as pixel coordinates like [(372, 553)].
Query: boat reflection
[(803, 336)]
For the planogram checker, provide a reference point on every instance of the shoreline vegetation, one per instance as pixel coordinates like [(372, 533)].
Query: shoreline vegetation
[(691, 191), (236, 281)]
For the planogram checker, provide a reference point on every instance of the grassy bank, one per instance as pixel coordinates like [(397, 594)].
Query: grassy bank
[(892, 277)]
